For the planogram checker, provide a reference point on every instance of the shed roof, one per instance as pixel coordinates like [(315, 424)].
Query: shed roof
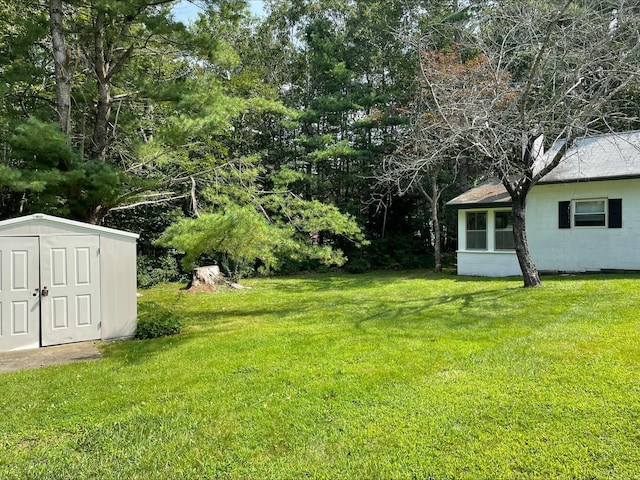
[(610, 156), (41, 219)]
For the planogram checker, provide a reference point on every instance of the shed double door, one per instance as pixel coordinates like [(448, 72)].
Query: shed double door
[(49, 290)]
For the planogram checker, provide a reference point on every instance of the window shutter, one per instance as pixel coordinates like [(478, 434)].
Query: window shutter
[(564, 214), (615, 213)]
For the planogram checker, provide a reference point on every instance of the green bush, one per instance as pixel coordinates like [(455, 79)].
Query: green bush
[(155, 321), (358, 265), (449, 259), (153, 270)]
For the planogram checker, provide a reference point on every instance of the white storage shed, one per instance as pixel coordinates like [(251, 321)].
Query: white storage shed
[(63, 281)]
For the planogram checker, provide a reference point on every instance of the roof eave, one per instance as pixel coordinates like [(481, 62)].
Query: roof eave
[(588, 179), (471, 206), (42, 217)]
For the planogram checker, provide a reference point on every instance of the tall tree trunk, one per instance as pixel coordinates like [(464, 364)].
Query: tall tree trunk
[(61, 65), (101, 128), (530, 273), (463, 174), (433, 199), (103, 73), (96, 213), (386, 206), (435, 222)]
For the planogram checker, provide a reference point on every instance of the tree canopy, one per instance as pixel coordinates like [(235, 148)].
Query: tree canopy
[(520, 77), (327, 130)]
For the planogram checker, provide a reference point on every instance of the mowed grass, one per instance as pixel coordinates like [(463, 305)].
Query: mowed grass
[(387, 375)]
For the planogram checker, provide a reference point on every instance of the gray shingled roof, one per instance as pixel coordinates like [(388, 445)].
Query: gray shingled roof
[(613, 155), (601, 157)]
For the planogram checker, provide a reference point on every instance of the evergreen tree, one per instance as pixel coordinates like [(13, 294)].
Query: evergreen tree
[(343, 66)]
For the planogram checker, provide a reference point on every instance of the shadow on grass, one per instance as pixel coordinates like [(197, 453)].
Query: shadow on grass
[(599, 276), (450, 311), (314, 282), (133, 351), (362, 301)]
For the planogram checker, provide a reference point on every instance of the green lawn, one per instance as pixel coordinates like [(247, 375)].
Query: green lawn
[(387, 375)]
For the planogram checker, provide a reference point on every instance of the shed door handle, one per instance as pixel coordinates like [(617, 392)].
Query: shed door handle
[(44, 292)]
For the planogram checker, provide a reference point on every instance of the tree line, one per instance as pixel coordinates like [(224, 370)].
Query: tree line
[(327, 132)]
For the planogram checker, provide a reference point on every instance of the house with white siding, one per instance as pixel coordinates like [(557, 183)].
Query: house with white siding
[(584, 216)]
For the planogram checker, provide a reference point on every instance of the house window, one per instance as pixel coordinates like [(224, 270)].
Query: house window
[(476, 230), (589, 213), (504, 231)]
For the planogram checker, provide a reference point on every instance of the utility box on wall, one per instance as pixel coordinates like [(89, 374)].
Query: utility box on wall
[(63, 281)]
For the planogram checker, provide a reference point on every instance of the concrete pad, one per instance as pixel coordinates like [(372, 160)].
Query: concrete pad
[(45, 356)]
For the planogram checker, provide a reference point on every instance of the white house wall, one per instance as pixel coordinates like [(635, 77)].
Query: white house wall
[(582, 249), (489, 262), (575, 249)]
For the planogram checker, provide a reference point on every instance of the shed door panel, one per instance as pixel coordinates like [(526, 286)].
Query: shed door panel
[(19, 300), (70, 270)]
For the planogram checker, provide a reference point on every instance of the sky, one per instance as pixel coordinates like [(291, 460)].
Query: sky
[(185, 11)]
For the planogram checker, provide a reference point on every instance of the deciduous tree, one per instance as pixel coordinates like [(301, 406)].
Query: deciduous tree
[(529, 70)]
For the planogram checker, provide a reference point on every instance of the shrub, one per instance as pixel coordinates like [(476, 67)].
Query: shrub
[(292, 266), (155, 321), (449, 259), (358, 265), (153, 270)]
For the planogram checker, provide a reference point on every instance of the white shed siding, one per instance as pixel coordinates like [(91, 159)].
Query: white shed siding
[(117, 267), (581, 249), (118, 279)]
